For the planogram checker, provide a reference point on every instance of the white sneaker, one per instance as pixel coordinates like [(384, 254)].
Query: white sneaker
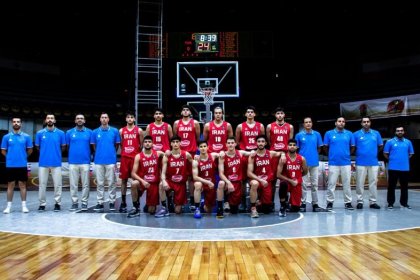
[(25, 209), (7, 210), (226, 207)]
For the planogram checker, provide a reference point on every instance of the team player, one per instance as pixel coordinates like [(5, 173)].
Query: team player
[(246, 134), (146, 175), (131, 141), (260, 173), (188, 129), (160, 131), (278, 133), (174, 175), (217, 131), (231, 176), (292, 172), (204, 176)]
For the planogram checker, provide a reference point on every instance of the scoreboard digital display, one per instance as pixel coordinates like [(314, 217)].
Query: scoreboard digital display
[(206, 42), (210, 44)]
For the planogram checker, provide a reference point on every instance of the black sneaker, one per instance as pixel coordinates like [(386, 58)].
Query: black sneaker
[(219, 214), (41, 208), (99, 208), (329, 206), (134, 212), (84, 207), (282, 212), (316, 208), (146, 209), (111, 206), (57, 207), (303, 207), (348, 206), (406, 206), (74, 207), (374, 206), (390, 206), (359, 205), (123, 208)]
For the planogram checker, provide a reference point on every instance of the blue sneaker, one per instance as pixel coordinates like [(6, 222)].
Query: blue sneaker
[(163, 212), (197, 213)]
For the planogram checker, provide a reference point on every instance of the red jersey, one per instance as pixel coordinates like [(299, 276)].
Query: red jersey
[(159, 134), (176, 169), (206, 168), (187, 134), (279, 136), (262, 166), (149, 167), (233, 167), (218, 135), (249, 136), (130, 142), (293, 168)]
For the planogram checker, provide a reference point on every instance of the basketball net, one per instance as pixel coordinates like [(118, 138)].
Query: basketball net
[(208, 95)]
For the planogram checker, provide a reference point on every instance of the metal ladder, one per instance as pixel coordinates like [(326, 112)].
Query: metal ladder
[(148, 72)]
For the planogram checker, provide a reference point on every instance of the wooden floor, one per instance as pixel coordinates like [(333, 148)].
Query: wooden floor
[(391, 255)]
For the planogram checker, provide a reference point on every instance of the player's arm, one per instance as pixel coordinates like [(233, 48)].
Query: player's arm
[(229, 130), (189, 157), (147, 132), (175, 127), (250, 170), (197, 178), (238, 133), (141, 137), (292, 131), (304, 167), (170, 132), (282, 155), (163, 173), (221, 167), (206, 131), (197, 130), (262, 130), (247, 153), (267, 133)]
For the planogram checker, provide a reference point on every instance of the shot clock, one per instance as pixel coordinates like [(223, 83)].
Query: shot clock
[(206, 42)]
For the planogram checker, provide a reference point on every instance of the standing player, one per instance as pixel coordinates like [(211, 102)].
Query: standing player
[(246, 134), (16, 146), (160, 131), (278, 133), (146, 175), (231, 176), (204, 176), (188, 130), (174, 175), (260, 172), (131, 141), (291, 172), (217, 131)]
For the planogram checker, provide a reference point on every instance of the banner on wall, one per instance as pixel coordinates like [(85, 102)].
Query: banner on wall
[(382, 108)]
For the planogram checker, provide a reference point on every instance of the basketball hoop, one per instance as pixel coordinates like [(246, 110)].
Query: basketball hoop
[(208, 95)]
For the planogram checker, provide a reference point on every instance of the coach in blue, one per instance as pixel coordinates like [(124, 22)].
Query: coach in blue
[(398, 151), (16, 146), (50, 141), (105, 141)]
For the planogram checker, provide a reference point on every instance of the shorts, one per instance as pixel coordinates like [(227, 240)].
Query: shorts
[(16, 174), (180, 192), (152, 194), (235, 197), (265, 193), (209, 196), (295, 194), (126, 166)]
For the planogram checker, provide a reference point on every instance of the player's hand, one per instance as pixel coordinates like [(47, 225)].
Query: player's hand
[(230, 187), (283, 158), (264, 183), (146, 185), (211, 185), (294, 182), (222, 155), (197, 157), (252, 153)]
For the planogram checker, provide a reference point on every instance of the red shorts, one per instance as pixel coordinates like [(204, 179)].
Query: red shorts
[(152, 194), (235, 197), (126, 166), (265, 193), (295, 194), (180, 192), (209, 196)]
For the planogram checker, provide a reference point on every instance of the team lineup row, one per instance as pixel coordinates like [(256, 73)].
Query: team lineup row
[(179, 169)]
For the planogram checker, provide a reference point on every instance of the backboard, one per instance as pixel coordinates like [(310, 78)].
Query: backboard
[(223, 76), (200, 107)]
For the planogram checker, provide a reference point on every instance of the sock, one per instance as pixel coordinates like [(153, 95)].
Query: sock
[(191, 199), (9, 204), (123, 196), (220, 204), (136, 204), (253, 204), (163, 202), (23, 203), (197, 205)]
